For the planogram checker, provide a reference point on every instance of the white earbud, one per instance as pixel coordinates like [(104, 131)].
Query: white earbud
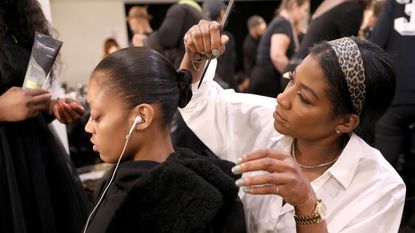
[(137, 120)]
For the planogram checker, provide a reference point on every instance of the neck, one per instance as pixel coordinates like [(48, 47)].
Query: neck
[(284, 13), (310, 154), (156, 147)]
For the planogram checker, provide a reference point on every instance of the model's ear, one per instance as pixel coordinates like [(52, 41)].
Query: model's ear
[(146, 113), (348, 123)]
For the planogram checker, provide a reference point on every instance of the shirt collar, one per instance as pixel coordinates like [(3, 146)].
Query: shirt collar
[(345, 167)]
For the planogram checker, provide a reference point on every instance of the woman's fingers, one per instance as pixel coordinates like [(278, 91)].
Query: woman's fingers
[(205, 38), (263, 190), (261, 164), (196, 36), (40, 98), (215, 38), (77, 108)]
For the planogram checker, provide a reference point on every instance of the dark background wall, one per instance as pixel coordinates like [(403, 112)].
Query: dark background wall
[(236, 24)]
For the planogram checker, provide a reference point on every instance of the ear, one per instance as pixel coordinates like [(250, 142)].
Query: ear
[(347, 123), (146, 112)]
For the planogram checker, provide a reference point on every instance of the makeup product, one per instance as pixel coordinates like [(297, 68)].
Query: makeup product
[(44, 52)]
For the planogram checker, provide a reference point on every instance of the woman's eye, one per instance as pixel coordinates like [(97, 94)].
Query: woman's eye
[(302, 98), (95, 118)]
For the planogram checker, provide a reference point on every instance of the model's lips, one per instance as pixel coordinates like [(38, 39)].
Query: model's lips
[(94, 147), (279, 117)]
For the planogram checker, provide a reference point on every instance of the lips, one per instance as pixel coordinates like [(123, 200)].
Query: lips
[(94, 147), (279, 117)]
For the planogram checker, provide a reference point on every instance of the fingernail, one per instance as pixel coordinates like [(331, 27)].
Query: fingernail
[(236, 170), (215, 52), (246, 190), (240, 182), (240, 160)]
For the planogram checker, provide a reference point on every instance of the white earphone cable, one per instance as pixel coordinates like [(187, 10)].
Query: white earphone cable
[(109, 183)]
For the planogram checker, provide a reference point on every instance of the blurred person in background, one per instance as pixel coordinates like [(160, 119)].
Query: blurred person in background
[(333, 19), (168, 38), (371, 18), (277, 46), (395, 32), (256, 28), (40, 190), (139, 22), (110, 46)]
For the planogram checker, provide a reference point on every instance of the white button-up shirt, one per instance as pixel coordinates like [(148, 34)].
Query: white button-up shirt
[(361, 190)]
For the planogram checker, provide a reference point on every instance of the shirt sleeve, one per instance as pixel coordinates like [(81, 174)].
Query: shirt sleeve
[(283, 27), (229, 123)]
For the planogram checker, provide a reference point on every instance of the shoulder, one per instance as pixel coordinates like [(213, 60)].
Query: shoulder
[(349, 7), (364, 190), (280, 25), (177, 9), (372, 167)]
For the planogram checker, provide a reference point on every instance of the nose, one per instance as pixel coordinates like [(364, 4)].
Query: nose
[(89, 126), (283, 99)]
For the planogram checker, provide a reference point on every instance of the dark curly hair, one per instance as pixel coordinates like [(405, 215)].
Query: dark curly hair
[(20, 18)]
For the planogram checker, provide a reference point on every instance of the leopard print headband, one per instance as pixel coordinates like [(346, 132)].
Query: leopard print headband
[(351, 63)]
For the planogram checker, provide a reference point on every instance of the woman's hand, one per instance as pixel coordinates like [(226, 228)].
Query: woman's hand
[(201, 41), (66, 110), (17, 104), (284, 178)]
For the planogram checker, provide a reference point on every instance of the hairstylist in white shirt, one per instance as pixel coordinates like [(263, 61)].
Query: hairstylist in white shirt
[(305, 169)]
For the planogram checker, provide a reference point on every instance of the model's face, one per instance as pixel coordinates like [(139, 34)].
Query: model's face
[(108, 122), (304, 110)]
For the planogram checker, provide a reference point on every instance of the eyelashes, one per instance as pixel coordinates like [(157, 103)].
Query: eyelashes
[(290, 75)]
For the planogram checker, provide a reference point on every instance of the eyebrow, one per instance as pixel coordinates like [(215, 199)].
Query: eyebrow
[(308, 89)]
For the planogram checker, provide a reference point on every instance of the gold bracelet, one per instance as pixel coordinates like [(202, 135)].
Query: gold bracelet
[(317, 216)]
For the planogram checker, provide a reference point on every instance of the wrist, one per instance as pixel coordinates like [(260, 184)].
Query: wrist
[(307, 207), (51, 106)]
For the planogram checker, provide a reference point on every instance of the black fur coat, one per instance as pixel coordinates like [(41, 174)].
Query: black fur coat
[(186, 194)]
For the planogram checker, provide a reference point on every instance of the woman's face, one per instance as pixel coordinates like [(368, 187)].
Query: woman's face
[(108, 122), (304, 110), (300, 12)]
